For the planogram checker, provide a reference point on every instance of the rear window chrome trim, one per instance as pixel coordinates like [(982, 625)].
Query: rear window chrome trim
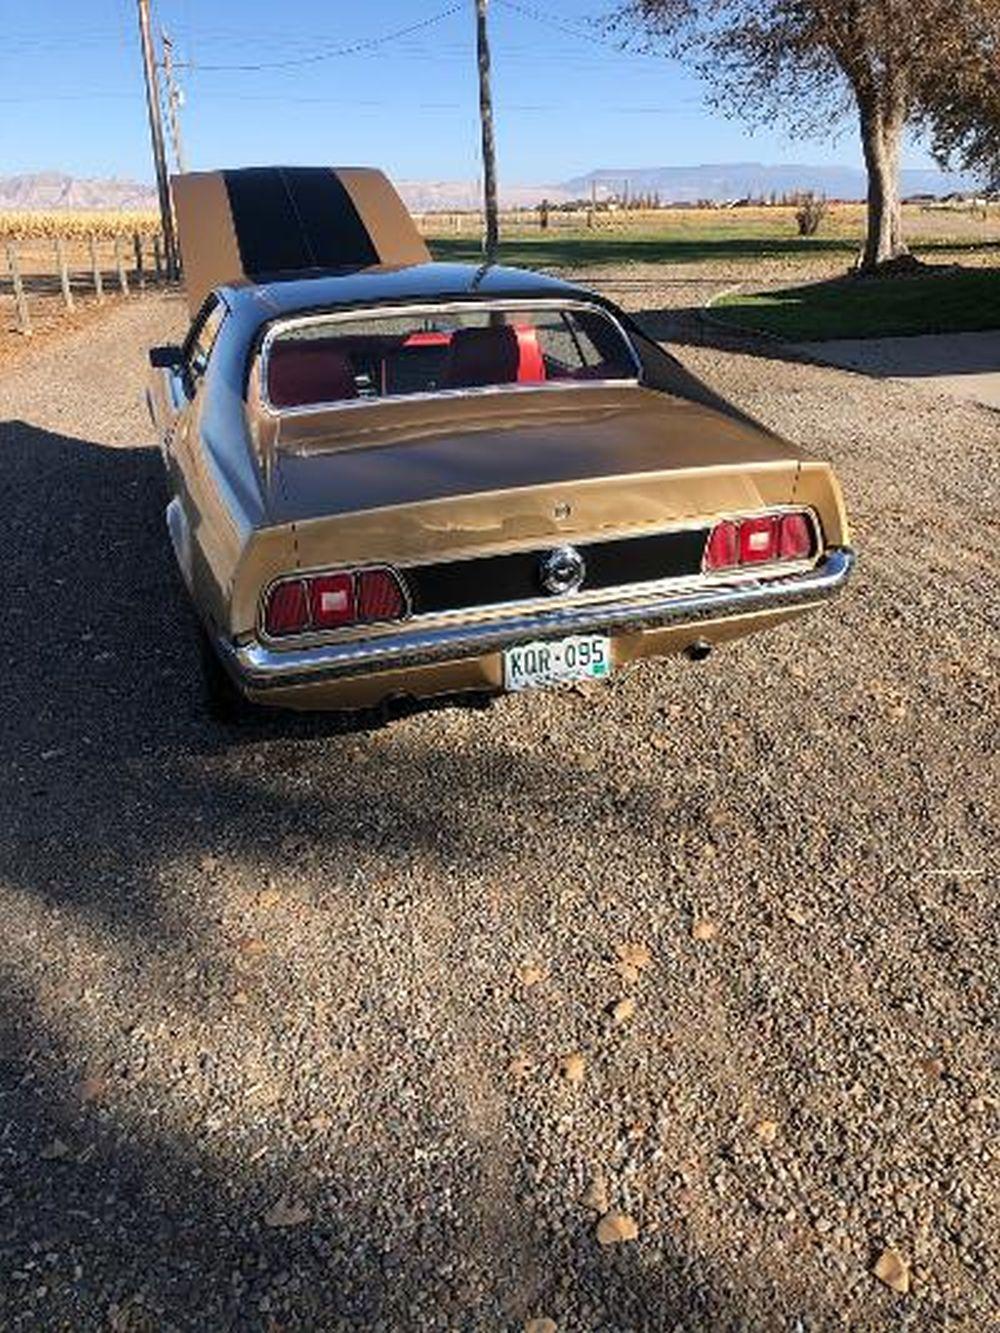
[(347, 316)]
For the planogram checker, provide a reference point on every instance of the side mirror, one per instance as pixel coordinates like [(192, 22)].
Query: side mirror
[(168, 357)]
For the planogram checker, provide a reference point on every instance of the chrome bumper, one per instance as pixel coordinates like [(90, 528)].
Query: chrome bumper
[(259, 667)]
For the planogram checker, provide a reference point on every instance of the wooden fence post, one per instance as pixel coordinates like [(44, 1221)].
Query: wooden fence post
[(67, 293), (140, 272), (23, 320), (120, 265), (158, 259), (96, 268)]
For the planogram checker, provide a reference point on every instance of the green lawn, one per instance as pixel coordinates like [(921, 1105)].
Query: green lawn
[(943, 300), (948, 301), (691, 236), (571, 249)]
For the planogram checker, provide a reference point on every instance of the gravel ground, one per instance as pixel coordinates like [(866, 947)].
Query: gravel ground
[(305, 1029)]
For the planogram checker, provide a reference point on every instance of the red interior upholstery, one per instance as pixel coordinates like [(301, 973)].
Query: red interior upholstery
[(304, 371), (480, 357), (427, 339), (531, 363)]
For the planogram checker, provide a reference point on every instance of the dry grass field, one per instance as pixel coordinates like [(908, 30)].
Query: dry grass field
[(958, 224)]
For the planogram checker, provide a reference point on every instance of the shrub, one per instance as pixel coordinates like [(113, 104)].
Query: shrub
[(810, 210)]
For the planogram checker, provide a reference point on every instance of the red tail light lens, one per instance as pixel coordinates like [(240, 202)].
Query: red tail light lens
[(796, 542), (759, 539), (379, 596), (334, 600), (287, 609), (722, 551)]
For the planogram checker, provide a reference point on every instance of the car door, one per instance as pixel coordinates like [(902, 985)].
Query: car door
[(181, 390), (178, 372)]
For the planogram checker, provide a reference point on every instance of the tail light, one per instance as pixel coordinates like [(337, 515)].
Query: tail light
[(288, 607), (334, 600), (379, 596), (759, 539), (796, 537)]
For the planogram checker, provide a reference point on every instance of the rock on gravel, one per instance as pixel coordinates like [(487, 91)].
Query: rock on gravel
[(288, 958)]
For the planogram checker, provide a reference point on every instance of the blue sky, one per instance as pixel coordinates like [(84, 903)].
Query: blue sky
[(71, 92)]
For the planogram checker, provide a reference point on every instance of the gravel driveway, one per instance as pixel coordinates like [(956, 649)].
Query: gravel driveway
[(304, 1029)]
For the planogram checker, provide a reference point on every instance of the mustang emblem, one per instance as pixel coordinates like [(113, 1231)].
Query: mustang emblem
[(562, 570)]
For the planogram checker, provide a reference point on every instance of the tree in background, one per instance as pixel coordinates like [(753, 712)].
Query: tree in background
[(808, 62), (962, 111)]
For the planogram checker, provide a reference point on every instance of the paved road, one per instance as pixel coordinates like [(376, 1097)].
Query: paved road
[(962, 365), (284, 1015)]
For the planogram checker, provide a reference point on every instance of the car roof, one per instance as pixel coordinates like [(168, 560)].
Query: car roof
[(272, 297)]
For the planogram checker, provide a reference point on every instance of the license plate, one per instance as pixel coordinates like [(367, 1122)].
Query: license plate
[(580, 657)]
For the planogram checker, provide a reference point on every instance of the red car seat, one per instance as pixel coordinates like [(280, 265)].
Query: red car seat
[(302, 371)]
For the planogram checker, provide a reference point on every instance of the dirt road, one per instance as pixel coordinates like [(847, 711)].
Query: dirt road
[(284, 1016)]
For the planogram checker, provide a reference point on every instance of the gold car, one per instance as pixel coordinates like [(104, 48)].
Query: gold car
[(403, 479)]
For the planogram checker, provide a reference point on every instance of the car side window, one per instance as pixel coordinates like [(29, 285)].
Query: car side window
[(201, 338)]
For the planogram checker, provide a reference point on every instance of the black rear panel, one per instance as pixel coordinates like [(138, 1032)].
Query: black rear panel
[(460, 584)]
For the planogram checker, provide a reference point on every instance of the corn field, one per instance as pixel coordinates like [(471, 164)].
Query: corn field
[(104, 224)]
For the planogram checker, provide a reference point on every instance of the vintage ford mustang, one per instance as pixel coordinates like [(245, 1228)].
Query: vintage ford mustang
[(390, 478)]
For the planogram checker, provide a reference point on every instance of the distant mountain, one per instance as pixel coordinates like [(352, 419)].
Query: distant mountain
[(718, 182), (54, 189), (441, 196), (741, 180)]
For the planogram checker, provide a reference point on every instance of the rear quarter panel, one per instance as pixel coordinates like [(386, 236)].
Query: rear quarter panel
[(217, 486)]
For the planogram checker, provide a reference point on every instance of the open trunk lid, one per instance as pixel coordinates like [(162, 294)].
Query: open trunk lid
[(260, 222)]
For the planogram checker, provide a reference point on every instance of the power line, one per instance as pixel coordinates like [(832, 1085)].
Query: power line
[(355, 48), (74, 97), (555, 21), (368, 104)]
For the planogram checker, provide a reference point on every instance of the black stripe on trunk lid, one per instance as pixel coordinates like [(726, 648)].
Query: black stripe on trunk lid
[(290, 219), (460, 584)]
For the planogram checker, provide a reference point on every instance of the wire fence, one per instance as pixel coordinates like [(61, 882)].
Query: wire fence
[(65, 271), (538, 218)]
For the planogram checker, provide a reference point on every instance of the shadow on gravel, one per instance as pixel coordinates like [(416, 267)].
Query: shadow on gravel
[(155, 1233), (692, 327), (102, 712), (99, 790)]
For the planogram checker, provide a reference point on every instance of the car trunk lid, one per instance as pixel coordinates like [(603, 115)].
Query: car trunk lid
[(491, 470)]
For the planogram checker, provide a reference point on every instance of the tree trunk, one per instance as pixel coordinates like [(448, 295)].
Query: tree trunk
[(881, 140)]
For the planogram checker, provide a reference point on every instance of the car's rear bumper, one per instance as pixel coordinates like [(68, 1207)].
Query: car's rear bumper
[(259, 668)]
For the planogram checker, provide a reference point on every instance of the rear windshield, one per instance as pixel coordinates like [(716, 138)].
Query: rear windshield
[(433, 351)]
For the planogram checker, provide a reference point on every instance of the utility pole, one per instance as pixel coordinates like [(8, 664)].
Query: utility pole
[(175, 100), (156, 136), (492, 234)]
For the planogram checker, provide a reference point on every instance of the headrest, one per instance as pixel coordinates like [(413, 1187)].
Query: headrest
[(302, 371), (478, 357)]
